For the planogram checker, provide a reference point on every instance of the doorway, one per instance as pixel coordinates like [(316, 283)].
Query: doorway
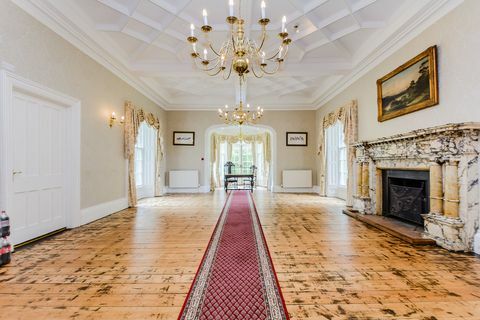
[(39, 158), (244, 146)]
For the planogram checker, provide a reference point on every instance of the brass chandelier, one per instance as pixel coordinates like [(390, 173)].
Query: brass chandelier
[(239, 115), (239, 53)]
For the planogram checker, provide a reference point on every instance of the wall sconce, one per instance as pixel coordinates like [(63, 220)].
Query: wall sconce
[(113, 119)]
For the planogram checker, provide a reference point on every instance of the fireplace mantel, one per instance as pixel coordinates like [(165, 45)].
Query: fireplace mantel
[(450, 153)]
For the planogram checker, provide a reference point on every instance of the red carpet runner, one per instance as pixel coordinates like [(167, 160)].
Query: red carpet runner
[(236, 279)]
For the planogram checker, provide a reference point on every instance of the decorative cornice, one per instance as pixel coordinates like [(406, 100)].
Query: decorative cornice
[(45, 12), (432, 13)]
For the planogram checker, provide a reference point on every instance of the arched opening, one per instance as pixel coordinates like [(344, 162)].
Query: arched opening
[(246, 131)]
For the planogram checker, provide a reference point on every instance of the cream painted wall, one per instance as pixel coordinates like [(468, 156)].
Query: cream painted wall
[(458, 40), (41, 55), (183, 157)]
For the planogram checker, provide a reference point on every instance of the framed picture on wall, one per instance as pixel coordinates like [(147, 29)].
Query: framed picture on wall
[(183, 138), (412, 86), (297, 139)]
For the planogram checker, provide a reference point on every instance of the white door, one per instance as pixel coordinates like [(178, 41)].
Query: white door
[(38, 161)]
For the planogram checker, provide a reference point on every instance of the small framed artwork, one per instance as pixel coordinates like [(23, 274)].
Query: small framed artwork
[(412, 86), (183, 138), (297, 139)]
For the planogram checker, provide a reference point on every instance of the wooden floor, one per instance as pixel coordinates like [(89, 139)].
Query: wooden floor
[(139, 264)]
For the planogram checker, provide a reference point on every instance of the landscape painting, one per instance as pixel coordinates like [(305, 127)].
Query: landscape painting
[(410, 87)]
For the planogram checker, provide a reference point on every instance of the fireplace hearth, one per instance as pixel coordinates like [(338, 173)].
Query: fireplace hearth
[(406, 195)]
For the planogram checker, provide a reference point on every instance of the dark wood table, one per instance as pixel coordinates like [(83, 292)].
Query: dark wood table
[(230, 176)]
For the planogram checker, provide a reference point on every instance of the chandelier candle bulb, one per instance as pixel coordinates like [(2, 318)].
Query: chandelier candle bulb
[(230, 4), (263, 9), (284, 22), (205, 17), (192, 30), (205, 54)]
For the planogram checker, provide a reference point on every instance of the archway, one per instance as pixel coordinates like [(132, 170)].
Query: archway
[(273, 144)]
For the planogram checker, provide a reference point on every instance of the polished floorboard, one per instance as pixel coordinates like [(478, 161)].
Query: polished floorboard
[(139, 264)]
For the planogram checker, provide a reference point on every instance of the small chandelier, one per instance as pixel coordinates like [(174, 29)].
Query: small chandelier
[(239, 116), (238, 52)]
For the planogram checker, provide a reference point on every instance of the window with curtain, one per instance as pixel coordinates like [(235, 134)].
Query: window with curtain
[(145, 157), (336, 152), (242, 155), (139, 157)]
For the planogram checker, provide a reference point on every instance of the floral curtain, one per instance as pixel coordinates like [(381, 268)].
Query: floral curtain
[(133, 118), (218, 139), (348, 116)]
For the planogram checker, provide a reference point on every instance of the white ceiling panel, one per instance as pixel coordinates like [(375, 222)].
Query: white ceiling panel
[(148, 39)]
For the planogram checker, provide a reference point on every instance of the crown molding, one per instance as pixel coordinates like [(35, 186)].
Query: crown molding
[(48, 15), (434, 10)]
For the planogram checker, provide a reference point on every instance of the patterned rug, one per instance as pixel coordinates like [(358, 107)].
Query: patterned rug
[(236, 279)]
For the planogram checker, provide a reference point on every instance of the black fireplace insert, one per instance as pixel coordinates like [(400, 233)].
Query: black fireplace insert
[(406, 194)]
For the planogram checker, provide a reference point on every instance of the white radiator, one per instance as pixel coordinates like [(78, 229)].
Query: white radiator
[(297, 178), (182, 179)]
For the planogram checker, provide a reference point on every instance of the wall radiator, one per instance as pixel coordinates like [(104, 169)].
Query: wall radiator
[(297, 178), (182, 179)]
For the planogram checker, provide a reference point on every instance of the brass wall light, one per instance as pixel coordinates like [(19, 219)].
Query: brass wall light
[(113, 119)]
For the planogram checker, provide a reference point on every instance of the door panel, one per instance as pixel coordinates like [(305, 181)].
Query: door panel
[(38, 199)]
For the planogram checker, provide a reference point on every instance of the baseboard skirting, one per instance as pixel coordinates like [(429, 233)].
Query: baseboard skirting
[(280, 189), (200, 189), (102, 210)]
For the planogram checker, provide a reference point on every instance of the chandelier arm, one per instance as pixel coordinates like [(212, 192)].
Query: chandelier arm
[(215, 73), (204, 68), (229, 72), (272, 72), (233, 43), (264, 37), (274, 57), (255, 74), (213, 50), (212, 68)]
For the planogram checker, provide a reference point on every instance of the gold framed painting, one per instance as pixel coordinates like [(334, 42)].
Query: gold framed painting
[(412, 86)]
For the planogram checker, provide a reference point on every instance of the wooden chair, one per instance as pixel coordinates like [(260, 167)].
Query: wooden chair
[(227, 169), (251, 182)]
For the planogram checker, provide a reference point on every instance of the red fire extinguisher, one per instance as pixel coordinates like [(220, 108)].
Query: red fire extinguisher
[(6, 251)]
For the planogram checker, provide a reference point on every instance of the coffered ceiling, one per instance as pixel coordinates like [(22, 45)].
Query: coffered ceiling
[(144, 42)]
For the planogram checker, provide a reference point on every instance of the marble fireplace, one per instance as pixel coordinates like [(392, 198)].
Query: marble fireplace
[(435, 170)]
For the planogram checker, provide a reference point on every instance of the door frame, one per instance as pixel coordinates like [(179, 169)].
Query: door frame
[(10, 83)]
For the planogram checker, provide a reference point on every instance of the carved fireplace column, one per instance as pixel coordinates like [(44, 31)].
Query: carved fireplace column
[(365, 180), (451, 199), (436, 188), (359, 179)]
